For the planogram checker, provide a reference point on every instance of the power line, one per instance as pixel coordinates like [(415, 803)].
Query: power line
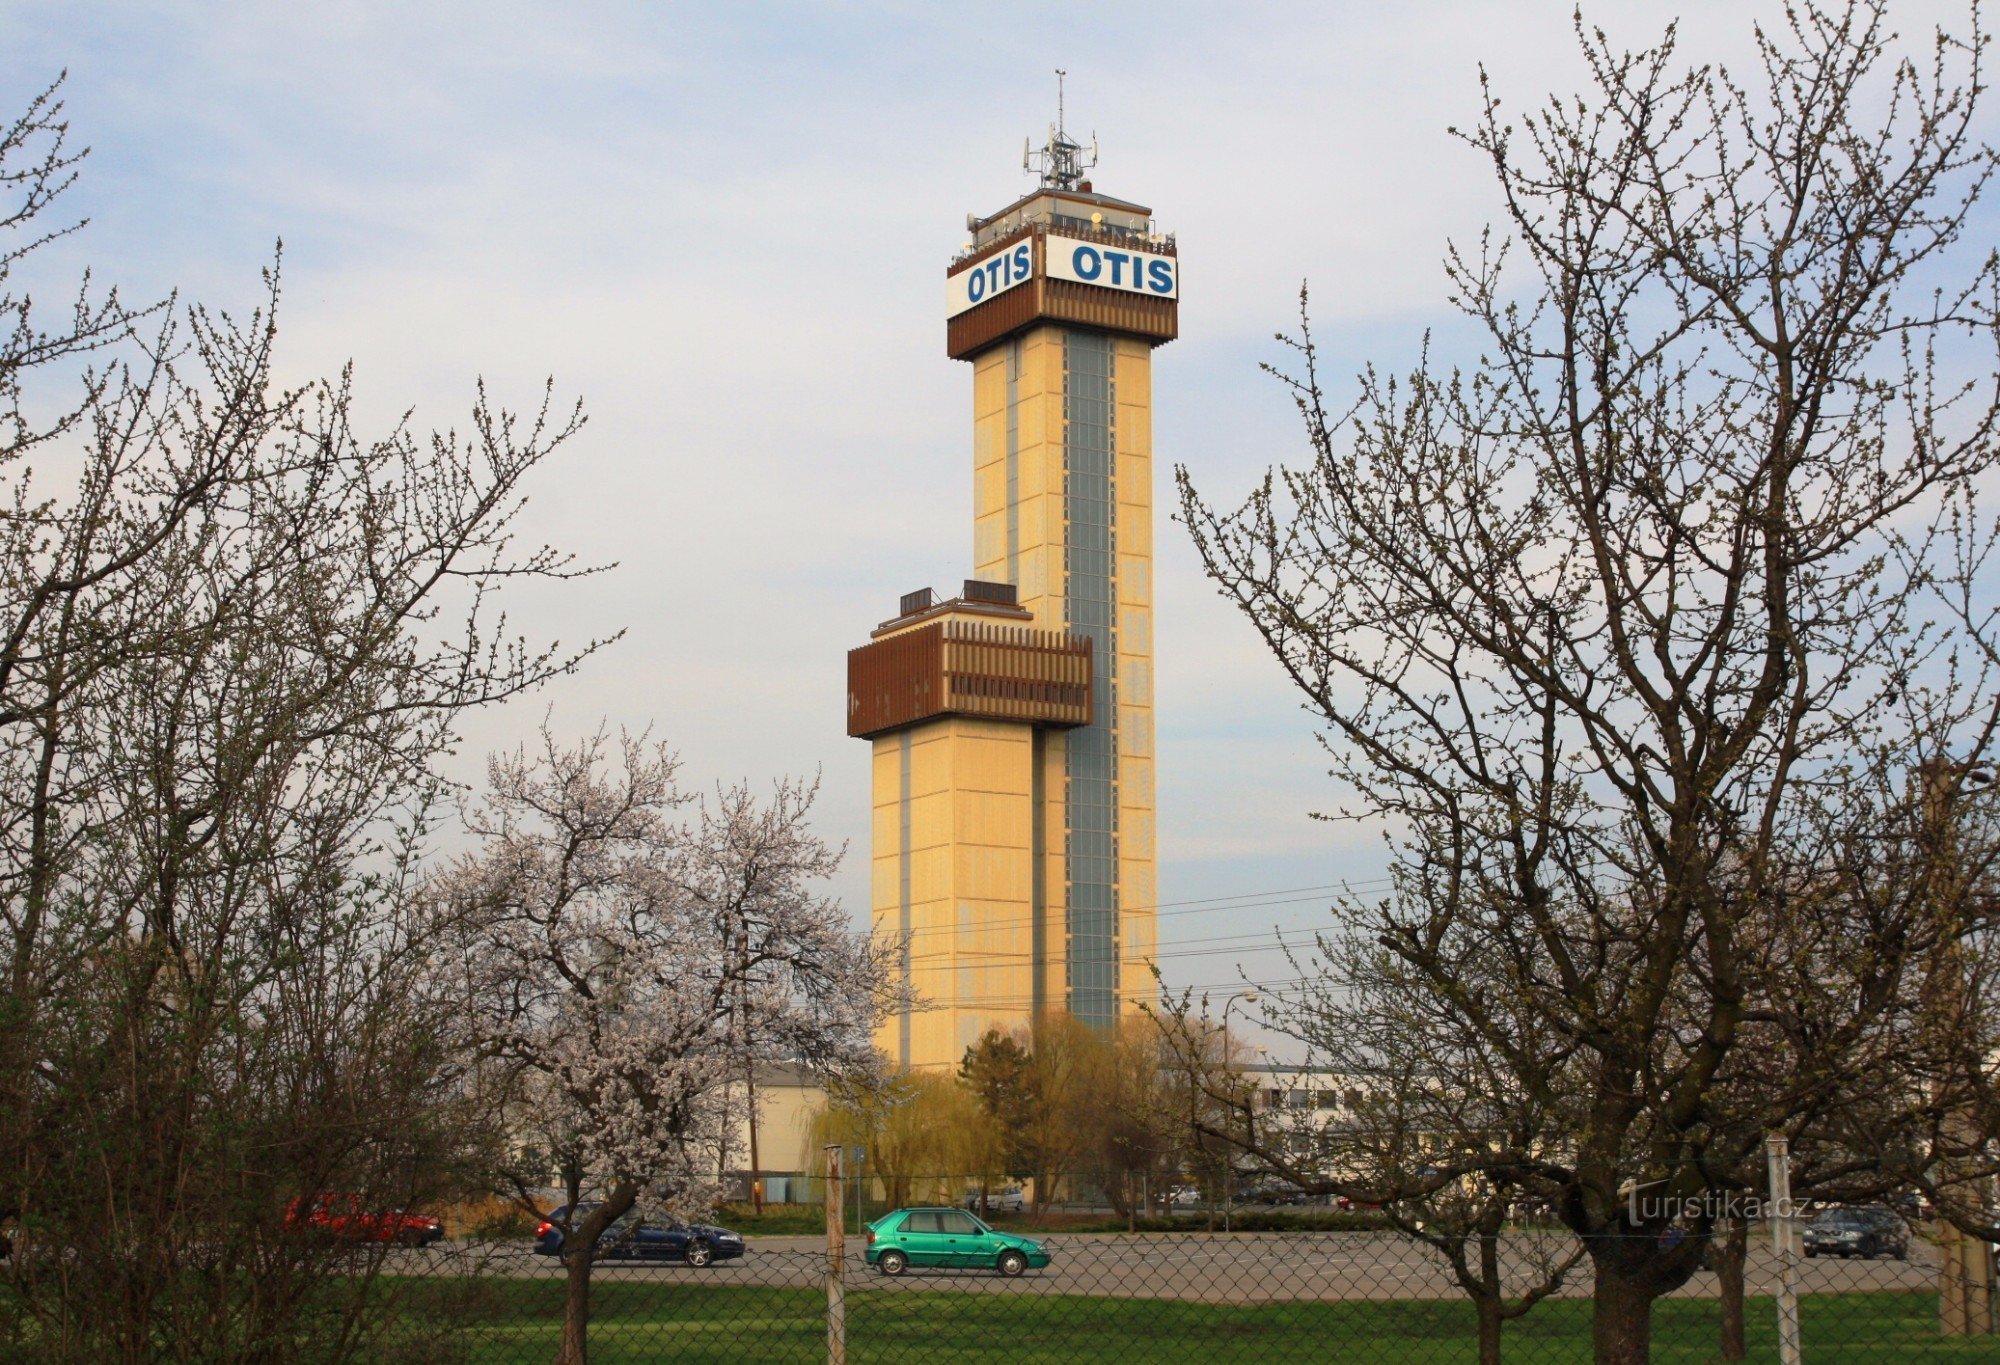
[(1258, 900), (1279, 987), (1258, 942)]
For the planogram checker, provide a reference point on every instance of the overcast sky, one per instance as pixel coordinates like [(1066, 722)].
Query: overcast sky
[(725, 225)]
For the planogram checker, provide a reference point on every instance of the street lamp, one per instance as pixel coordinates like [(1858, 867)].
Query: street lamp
[(1247, 997)]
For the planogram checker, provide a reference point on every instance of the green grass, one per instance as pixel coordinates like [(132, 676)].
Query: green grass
[(649, 1321)]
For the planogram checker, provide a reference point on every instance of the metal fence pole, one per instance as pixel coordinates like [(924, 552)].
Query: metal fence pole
[(860, 1184), (1784, 1240), (836, 1258)]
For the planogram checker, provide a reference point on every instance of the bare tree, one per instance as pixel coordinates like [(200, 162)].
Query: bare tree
[(1126, 1108), (1619, 626), (1413, 1111), (621, 961), (235, 633)]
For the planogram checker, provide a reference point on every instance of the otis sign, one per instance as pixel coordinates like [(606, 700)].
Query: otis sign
[(1065, 258), (995, 275), (1113, 267)]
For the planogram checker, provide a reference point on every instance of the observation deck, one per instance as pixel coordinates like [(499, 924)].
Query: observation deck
[(967, 656)]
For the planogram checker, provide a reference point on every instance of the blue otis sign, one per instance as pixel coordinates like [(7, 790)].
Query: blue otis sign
[(1063, 258), (1113, 267), (995, 275)]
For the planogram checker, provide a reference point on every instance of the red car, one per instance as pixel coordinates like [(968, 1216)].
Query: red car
[(343, 1218)]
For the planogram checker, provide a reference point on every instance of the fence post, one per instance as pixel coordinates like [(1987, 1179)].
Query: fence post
[(1965, 1291), (1784, 1240), (836, 1257), (860, 1184)]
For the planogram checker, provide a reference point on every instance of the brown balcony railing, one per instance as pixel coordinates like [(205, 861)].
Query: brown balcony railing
[(968, 668)]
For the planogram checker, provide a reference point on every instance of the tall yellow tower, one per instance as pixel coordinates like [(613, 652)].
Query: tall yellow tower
[(1012, 724)]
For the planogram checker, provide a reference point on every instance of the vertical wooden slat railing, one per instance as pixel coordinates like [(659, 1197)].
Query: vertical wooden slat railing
[(969, 668)]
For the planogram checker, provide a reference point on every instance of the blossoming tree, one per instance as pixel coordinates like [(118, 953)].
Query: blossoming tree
[(629, 950)]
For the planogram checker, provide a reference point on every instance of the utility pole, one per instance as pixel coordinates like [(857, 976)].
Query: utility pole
[(750, 1090)]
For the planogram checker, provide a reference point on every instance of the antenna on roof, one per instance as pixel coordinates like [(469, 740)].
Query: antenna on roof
[(1061, 161)]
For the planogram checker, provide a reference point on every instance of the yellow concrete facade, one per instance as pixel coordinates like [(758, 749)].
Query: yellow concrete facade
[(953, 875), (966, 812)]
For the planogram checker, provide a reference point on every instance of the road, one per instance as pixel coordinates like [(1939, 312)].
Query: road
[(1200, 1267)]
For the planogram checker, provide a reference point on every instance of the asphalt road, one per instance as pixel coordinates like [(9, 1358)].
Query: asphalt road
[(1214, 1268)]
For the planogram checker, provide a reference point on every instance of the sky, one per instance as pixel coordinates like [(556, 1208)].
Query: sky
[(724, 227)]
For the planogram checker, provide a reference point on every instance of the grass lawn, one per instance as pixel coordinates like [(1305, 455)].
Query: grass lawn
[(646, 1321)]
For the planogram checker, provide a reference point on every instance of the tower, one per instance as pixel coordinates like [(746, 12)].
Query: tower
[(1012, 724)]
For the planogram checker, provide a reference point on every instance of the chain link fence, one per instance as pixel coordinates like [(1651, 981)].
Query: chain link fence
[(1361, 1294)]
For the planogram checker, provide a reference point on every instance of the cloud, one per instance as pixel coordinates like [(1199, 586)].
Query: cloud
[(726, 227)]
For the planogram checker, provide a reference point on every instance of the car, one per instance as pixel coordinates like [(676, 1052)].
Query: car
[(345, 1218), (1273, 1193), (1864, 1230), (1008, 1200), (1707, 1258), (1184, 1196), (948, 1239), (633, 1237)]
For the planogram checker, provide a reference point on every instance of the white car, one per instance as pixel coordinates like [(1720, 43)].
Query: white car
[(1184, 1196), (1009, 1200)]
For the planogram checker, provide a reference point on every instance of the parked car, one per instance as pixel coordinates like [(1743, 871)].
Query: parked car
[(343, 1217), (1008, 1200), (698, 1244), (1865, 1230), (949, 1238), (1706, 1259), (1184, 1196), (1273, 1193)]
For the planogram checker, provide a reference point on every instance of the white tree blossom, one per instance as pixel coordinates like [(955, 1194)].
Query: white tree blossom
[(629, 950)]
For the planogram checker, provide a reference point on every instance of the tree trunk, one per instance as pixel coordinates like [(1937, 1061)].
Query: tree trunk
[(1489, 1330), (1731, 1252), (1488, 1302), (576, 1313), (1621, 1318), (576, 1294)]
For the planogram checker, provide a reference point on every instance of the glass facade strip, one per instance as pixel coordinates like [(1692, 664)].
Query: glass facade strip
[(903, 884), (1089, 552), (1014, 461)]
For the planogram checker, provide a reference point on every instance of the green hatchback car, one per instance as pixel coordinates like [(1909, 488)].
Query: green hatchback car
[(949, 1238)]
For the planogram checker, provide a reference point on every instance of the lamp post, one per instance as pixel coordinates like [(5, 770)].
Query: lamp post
[(1246, 997)]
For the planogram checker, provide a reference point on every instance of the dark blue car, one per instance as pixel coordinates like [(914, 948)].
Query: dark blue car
[(697, 1244)]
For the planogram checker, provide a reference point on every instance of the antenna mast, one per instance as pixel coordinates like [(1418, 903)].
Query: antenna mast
[(1061, 161)]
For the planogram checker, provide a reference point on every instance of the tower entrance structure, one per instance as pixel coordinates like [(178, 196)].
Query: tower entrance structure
[(1012, 724)]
